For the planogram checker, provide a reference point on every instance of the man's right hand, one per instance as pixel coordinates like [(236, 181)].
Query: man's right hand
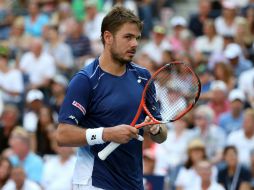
[(120, 134)]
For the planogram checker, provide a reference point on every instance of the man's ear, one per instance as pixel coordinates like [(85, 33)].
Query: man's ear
[(108, 37)]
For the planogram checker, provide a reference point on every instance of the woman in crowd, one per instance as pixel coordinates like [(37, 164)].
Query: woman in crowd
[(5, 170), (233, 175)]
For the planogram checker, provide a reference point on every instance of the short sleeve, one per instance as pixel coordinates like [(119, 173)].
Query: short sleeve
[(76, 101)]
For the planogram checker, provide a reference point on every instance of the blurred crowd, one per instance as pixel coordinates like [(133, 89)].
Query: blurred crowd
[(44, 42)]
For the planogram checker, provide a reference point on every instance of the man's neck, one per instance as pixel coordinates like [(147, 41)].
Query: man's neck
[(109, 65)]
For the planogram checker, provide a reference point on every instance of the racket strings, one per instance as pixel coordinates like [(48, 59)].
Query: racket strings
[(171, 92)]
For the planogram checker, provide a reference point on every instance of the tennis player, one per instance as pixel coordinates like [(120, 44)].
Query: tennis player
[(101, 100)]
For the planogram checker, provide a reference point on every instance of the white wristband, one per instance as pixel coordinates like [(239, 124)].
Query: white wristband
[(94, 136)]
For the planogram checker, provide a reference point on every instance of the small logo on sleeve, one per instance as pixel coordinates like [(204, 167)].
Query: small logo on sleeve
[(79, 106)]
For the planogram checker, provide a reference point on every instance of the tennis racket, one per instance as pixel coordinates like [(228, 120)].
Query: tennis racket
[(169, 94)]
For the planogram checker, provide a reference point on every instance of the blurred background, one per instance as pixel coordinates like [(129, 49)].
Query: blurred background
[(44, 42)]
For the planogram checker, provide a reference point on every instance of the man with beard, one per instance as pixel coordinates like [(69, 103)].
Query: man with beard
[(101, 100)]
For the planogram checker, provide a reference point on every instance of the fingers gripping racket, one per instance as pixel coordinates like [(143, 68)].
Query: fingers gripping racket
[(169, 94)]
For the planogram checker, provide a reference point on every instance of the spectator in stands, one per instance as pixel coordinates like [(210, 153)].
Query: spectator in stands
[(206, 78), (23, 156), (243, 139), (5, 171), (34, 101), (17, 41), (204, 170), (233, 175), (224, 72), (178, 24), (43, 137), (210, 41), (154, 49), (39, 66), (213, 136), (19, 181), (219, 56), (245, 83), (8, 121), (6, 19), (60, 51), (198, 19), (92, 26), (226, 23), (58, 170), (233, 119), (79, 43), (58, 89), (252, 168), (35, 21), (239, 63), (187, 178), (61, 18), (218, 101), (168, 157), (11, 93), (243, 36)]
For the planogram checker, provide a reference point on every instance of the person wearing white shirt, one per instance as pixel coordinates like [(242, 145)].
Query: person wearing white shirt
[(38, 65), (58, 170), (19, 181), (188, 178), (210, 42), (154, 49), (11, 81), (243, 139), (227, 23), (246, 83), (168, 157), (204, 170)]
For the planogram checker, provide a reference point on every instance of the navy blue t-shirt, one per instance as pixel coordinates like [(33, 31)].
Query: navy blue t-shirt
[(95, 99)]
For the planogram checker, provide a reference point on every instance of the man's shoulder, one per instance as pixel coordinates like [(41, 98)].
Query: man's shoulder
[(139, 69), (90, 69)]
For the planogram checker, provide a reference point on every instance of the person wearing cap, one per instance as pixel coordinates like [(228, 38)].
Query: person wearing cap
[(233, 52), (154, 48), (218, 100), (11, 80), (212, 135), (34, 101), (233, 119), (243, 138), (20, 144), (58, 88), (178, 24)]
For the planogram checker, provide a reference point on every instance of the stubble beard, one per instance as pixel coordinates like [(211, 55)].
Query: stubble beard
[(118, 58)]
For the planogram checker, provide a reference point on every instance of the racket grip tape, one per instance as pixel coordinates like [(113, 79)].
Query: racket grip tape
[(103, 154)]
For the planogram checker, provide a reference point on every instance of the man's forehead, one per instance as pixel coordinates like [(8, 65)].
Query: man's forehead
[(129, 27)]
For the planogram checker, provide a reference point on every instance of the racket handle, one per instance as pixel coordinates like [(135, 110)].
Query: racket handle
[(103, 154)]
